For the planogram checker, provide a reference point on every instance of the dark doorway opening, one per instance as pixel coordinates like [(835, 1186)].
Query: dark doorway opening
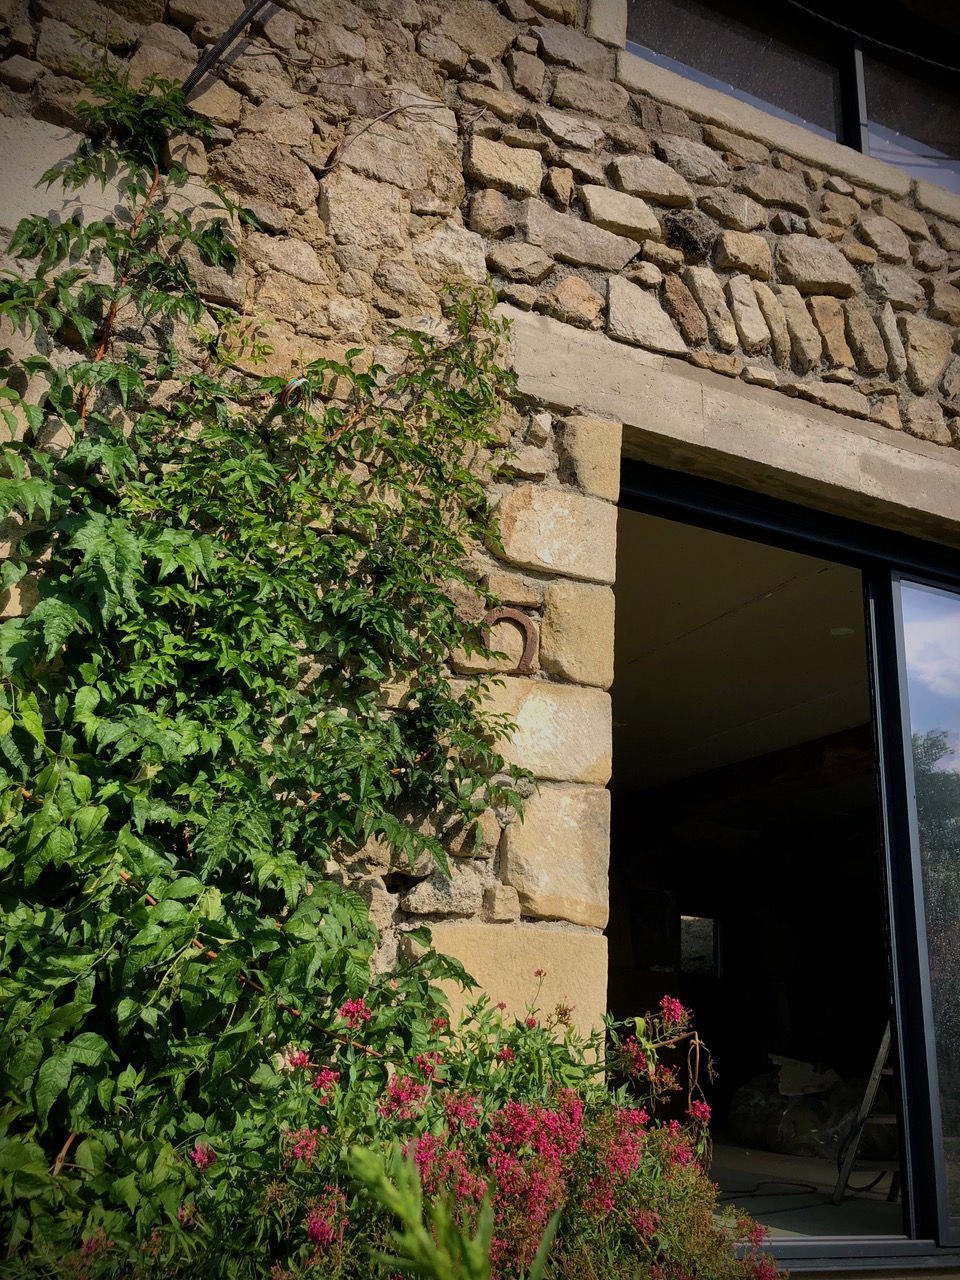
[(746, 869)]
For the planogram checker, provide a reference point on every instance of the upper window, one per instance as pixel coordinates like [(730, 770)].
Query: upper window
[(880, 92)]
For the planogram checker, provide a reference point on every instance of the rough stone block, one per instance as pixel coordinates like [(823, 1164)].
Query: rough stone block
[(839, 210), (526, 72), (705, 287), (694, 161), (747, 316), (936, 199), (898, 287), (734, 209), (924, 419), (566, 46), (501, 902), (589, 451), (815, 266), (775, 187), (576, 636), (864, 337), (480, 839), (927, 345), (573, 301), (622, 214), (503, 958), (520, 261), (896, 356), (744, 252), (907, 219), (651, 178), (557, 858), (805, 340), (492, 214), (600, 98), (515, 170), (828, 316), (833, 395), (476, 27), (886, 237), (945, 302), (607, 22), (371, 215), (772, 312), (635, 315), (559, 531), (460, 895), (449, 253), (572, 240), (20, 73), (568, 129), (682, 305)]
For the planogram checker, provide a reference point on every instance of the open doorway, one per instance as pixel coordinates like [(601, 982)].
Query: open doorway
[(745, 861)]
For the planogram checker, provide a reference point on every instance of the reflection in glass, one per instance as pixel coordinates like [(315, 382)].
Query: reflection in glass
[(931, 622), (913, 123)]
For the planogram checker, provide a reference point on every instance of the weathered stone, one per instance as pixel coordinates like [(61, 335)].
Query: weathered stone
[(520, 262), (635, 315), (694, 161), (651, 178), (573, 301), (526, 72), (928, 346), (747, 316), (883, 409), (729, 366), (906, 219), (20, 73), (559, 184), (399, 279), (705, 287), (829, 318), (505, 106), (948, 235), (924, 418), (775, 187), (607, 21), (805, 339), (691, 232), (662, 255), (585, 167), (460, 894), (562, 731), (566, 46), (476, 27), (944, 303), (253, 166), (734, 210), (838, 210), (772, 312), (814, 266), (504, 957), (928, 256), (589, 450), (897, 287), (622, 214), (681, 304), (787, 223), (886, 237), (645, 274), (601, 98), (492, 214), (758, 376), (576, 636), (445, 52), (950, 382), (896, 356), (557, 858), (864, 337), (514, 588), (501, 902), (356, 211), (937, 199), (59, 46), (479, 839), (286, 253), (217, 101), (832, 395), (516, 171), (349, 88), (745, 148), (450, 253), (215, 14), (572, 240), (559, 531), (857, 254), (570, 130), (744, 253)]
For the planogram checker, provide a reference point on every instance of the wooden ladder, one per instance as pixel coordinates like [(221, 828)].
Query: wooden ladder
[(865, 1116)]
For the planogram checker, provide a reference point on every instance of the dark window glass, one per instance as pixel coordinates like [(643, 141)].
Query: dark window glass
[(913, 124), (725, 53)]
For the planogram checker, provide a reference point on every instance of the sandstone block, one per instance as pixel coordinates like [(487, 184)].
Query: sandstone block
[(480, 839), (906, 219), (217, 101), (444, 52), (520, 261), (607, 22), (646, 274), (568, 129), (729, 366), (945, 303), (601, 98), (936, 199), (514, 588), (928, 256), (460, 895), (833, 395), (838, 210), (622, 214), (681, 304), (501, 902), (694, 161), (559, 531), (371, 215), (589, 451), (576, 637), (476, 27), (828, 316), (398, 279), (573, 301), (450, 253), (950, 382), (635, 315), (59, 46), (566, 46), (772, 312), (805, 340), (744, 252), (759, 377), (515, 170), (557, 858), (212, 13), (747, 316), (572, 240), (287, 254), (20, 73), (896, 356), (775, 187), (924, 419), (733, 209), (864, 337), (651, 178), (705, 287), (745, 148), (948, 235), (526, 72), (897, 287), (504, 957), (815, 266), (562, 731), (857, 254), (886, 237), (927, 345), (492, 214)]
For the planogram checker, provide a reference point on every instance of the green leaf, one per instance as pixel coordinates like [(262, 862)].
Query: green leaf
[(52, 1078)]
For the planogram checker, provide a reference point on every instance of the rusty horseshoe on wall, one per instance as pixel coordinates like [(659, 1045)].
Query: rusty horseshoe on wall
[(530, 637)]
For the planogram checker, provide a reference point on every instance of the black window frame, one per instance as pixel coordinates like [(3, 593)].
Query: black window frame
[(884, 557)]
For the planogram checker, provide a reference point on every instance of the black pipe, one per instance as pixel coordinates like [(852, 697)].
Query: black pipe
[(214, 52)]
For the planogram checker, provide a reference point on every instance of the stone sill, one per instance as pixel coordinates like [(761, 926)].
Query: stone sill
[(640, 76)]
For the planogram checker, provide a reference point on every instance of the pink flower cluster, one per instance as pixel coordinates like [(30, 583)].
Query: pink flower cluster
[(699, 1112), (298, 1058), (428, 1063), (404, 1098), (301, 1144), (327, 1220), (616, 1144), (203, 1156), (325, 1082), (673, 1011), (462, 1109), (355, 1012)]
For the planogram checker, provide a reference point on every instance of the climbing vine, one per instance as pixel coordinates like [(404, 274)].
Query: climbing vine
[(232, 674)]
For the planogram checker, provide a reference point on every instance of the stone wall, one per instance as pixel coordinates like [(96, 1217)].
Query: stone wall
[(389, 147)]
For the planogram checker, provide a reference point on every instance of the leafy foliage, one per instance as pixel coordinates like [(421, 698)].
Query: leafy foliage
[(193, 720)]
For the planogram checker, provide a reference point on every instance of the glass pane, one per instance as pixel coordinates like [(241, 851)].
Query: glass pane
[(931, 624), (737, 58), (913, 124)]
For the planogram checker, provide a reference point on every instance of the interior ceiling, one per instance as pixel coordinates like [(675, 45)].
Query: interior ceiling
[(727, 649)]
